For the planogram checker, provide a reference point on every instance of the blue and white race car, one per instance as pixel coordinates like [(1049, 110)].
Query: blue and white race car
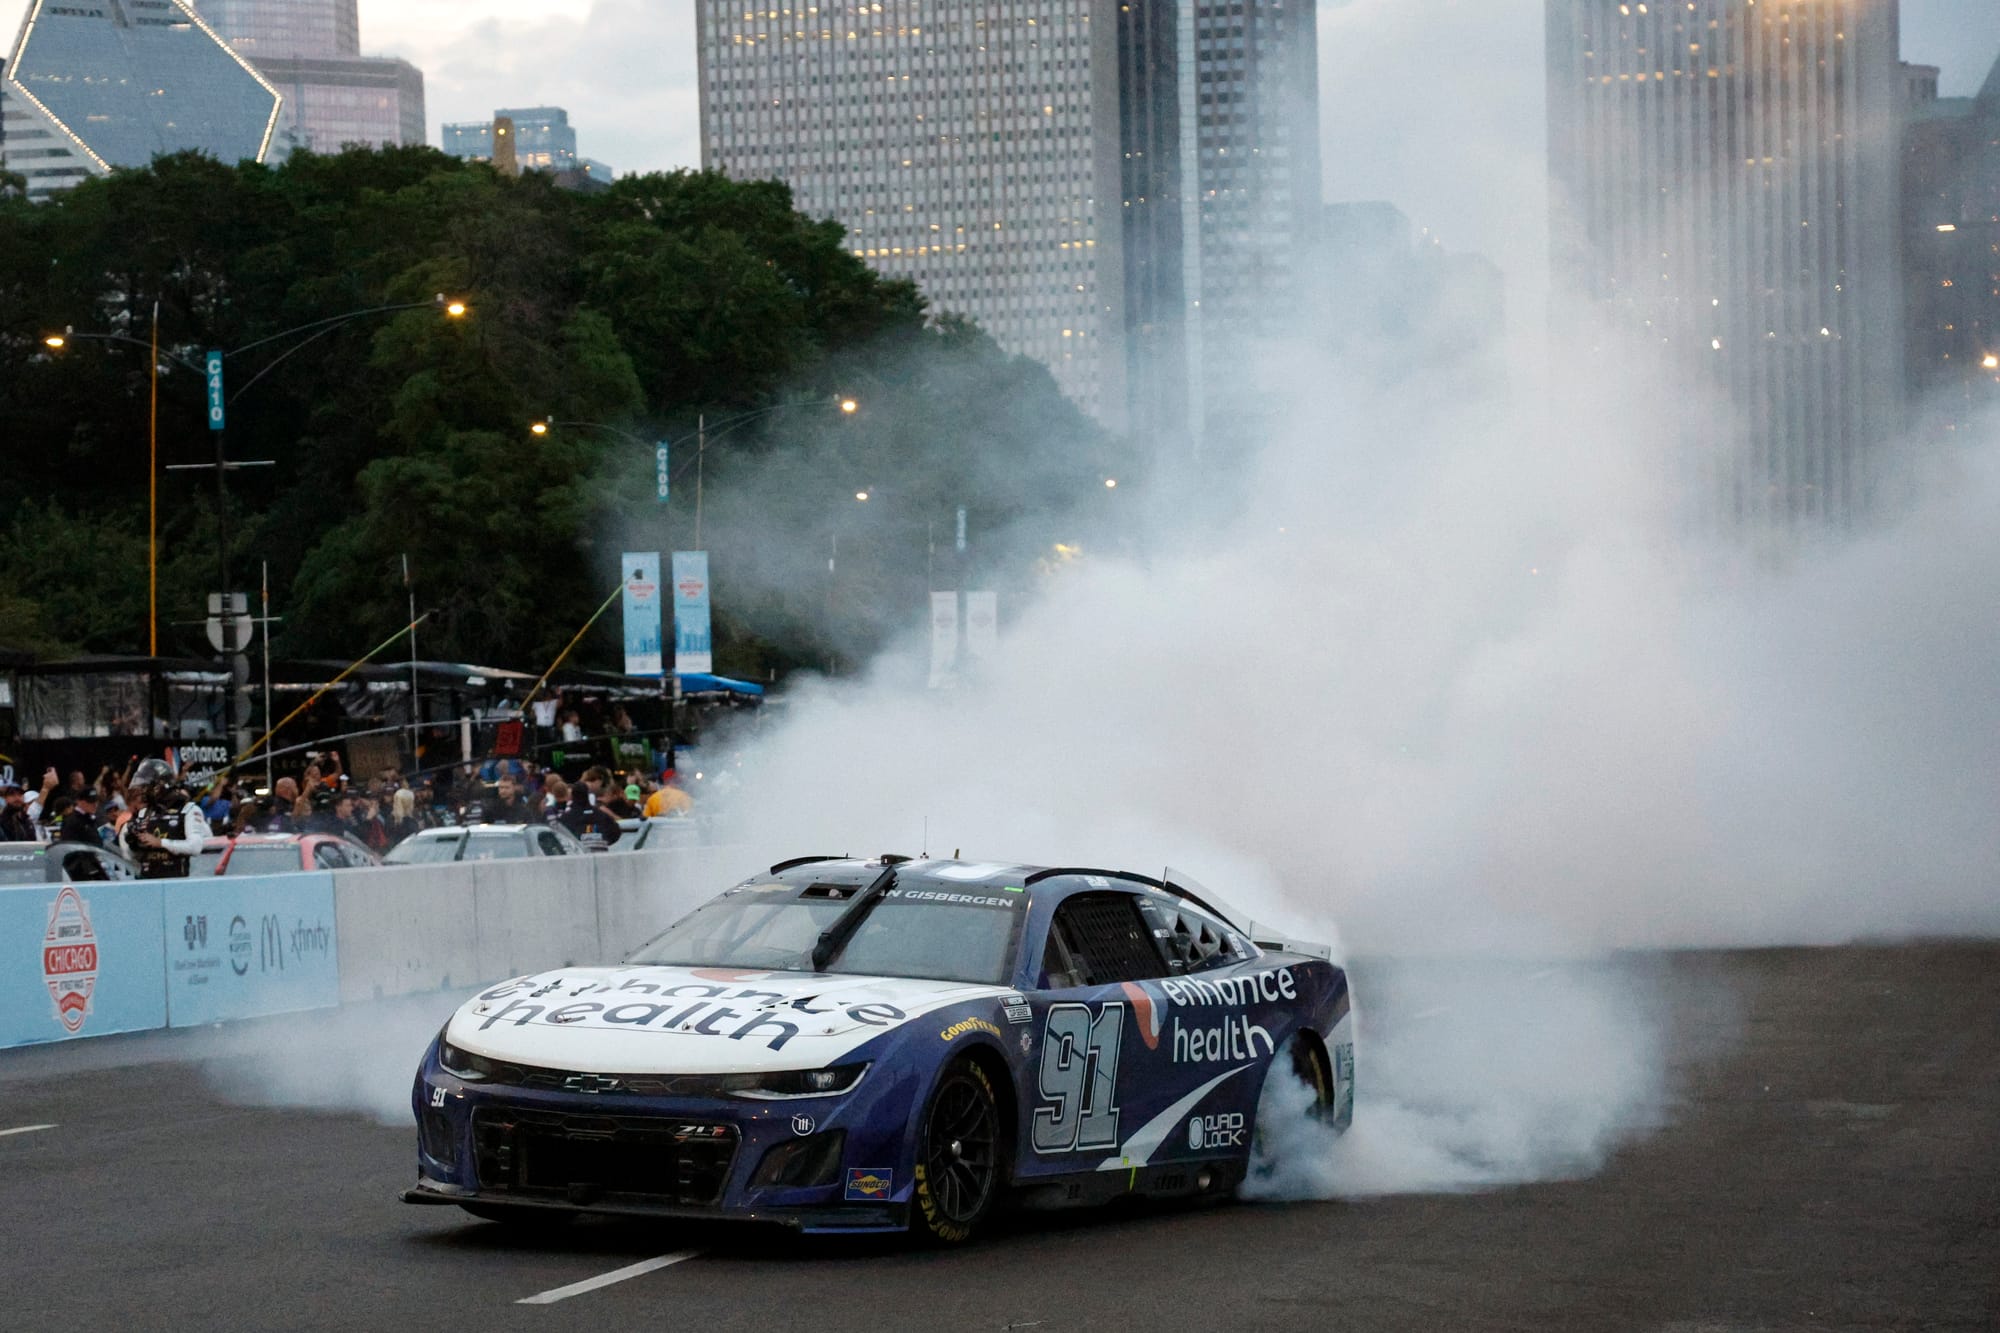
[(848, 1046)]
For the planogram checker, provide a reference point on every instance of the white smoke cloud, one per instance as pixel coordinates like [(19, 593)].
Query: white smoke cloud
[(1458, 682)]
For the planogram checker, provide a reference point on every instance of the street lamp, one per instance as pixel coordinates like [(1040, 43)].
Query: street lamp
[(704, 432), (315, 330), (1111, 483), (861, 496)]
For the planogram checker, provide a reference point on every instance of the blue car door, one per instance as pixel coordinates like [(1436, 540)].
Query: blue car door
[(1097, 1077)]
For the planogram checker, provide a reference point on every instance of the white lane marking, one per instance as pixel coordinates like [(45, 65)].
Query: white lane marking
[(639, 1269), (24, 1129)]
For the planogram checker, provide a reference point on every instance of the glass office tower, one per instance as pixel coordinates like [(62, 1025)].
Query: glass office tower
[(1100, 183), (118, 82), (311, 51), (544, 140)]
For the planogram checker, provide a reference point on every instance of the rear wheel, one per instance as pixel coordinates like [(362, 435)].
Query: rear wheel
[(958, 1156), (1299, 1084)]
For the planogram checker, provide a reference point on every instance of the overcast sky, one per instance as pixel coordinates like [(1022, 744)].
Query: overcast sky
[(1435, 105)]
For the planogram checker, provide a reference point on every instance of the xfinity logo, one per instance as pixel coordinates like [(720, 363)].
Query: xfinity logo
[(591, 1083)]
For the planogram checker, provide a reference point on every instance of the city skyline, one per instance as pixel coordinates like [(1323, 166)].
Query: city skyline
[(1449, 151)]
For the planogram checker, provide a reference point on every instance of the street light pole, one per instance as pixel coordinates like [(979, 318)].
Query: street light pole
[(153, 500)]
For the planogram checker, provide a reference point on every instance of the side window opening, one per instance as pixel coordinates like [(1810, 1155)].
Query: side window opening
[(551, 845), (1190, 939), (1099, 938), (329, 857)]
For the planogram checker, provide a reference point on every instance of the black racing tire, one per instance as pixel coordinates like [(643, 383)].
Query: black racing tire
[(526, 1219), (1303, 1059), (958, 1167)]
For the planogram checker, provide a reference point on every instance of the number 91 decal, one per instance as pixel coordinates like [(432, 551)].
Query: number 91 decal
[(1079, 1079)]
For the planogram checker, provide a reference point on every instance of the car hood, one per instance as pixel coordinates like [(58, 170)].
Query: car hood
[(699, 1020)]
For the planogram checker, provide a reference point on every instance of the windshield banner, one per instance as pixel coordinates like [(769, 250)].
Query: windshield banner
[(693, 651), (643, 654)]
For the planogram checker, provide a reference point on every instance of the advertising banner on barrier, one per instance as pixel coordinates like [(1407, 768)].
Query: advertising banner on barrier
[(241, 946), (80, 960)]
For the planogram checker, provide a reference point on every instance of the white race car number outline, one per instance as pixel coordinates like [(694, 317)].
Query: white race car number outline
[(1079, 1078)]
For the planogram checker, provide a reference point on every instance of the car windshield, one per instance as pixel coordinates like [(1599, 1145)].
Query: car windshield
[(419, 851), (27, 870), (496, 846), (928, 940), (271, 859)]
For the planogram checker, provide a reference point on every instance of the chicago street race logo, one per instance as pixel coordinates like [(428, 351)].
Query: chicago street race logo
[(69, 958)]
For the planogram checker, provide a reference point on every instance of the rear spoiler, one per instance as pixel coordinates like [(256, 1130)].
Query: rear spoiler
[(1271, 941)]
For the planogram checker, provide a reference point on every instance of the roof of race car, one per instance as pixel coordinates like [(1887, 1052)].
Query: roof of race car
[(950, 878)]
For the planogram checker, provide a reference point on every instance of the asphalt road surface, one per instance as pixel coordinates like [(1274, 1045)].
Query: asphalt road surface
[(1830, 1159)]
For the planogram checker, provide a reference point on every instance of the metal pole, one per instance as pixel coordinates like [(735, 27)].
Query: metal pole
[(416, 714), (229, 644), (153, 502), (269, 784), (700, 460)]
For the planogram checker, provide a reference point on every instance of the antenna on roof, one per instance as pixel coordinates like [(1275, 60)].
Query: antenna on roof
[(927, 838)]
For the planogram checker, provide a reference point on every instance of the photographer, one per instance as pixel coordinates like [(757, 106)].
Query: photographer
[(166, 829)]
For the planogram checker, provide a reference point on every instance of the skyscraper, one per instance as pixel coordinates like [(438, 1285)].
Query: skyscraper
[(1951, 231), (1095, 182), (1726, 177), (334, 96), (119, 82), (543, 140)]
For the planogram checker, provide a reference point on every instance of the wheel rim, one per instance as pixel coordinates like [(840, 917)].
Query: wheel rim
[(960, 1140)]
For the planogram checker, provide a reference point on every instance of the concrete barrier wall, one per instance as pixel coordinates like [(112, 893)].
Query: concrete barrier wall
[(90, 959), (406, 930)]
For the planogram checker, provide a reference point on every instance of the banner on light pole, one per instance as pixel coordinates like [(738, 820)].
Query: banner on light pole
[(644, 655), (982, 626), (694, 651), (944, 640)]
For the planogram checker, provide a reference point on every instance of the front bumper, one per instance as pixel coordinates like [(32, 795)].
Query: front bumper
[(846, 1219), (688, 1158)]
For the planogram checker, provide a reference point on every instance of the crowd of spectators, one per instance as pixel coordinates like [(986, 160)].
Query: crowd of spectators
[(377, 812)]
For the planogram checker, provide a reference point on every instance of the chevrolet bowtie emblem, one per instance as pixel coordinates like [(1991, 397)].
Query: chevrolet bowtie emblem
[(591, 1083)]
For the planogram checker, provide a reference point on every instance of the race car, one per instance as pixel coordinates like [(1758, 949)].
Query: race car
[(845, 1045)]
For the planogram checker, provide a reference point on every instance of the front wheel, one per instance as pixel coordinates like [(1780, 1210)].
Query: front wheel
[(958, 1156)]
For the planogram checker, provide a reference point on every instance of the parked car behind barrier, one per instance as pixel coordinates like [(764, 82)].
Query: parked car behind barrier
[(280, 854), (484, 842), (61, 863)]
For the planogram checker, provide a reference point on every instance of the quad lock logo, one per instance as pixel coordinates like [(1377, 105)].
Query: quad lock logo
[(1216, 1131), (69, 959)]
